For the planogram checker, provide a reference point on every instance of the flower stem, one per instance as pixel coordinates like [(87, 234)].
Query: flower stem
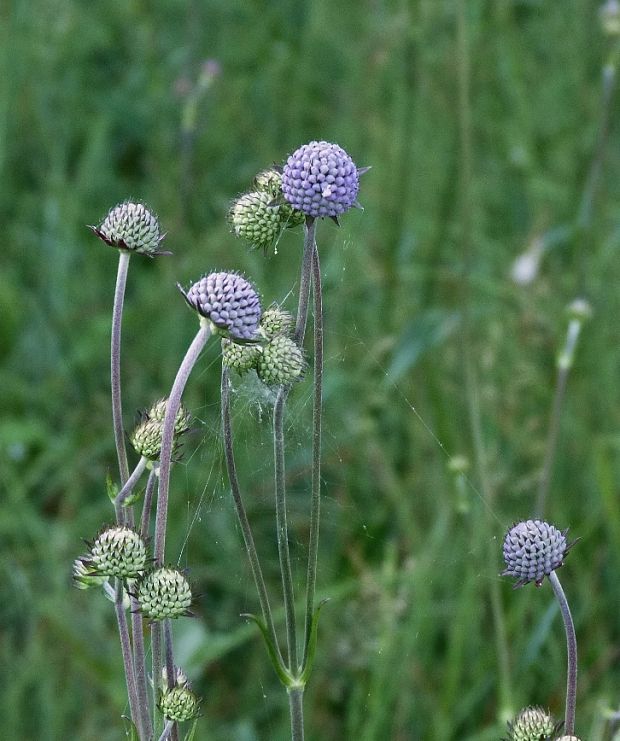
[(139, 659), (170, 669), (128, 488), (244, 523), (167, 439), (156, 665), (296, 707), (304, 281), (147, 504), (571, 650), (123, 630), (115, 364), (315, 511), (167, 729)]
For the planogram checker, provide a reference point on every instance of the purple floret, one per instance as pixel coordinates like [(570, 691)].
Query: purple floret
[(320, 179), (532, 550), (229, 301)]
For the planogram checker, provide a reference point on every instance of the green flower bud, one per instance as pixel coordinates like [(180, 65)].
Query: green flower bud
[(178, 703), (183, 419), (255, 219), (118, 551), (270, 181), (131, 226), (164, 593), (532, 724), (146, 439), (281, 362), (276, 321), (239, 357)]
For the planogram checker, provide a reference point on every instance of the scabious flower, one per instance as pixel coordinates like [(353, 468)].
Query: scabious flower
[(276, 321), (320, 179), (229, 302), (532, 550), (178, 703), (131, 226), (164, 593), (256, 219), (281, 361), (117, 551), (532, 724), (240, 358)]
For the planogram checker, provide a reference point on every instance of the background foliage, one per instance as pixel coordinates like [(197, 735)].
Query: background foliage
[(104, 101)]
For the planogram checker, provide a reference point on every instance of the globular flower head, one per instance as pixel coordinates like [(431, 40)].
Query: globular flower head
[(164, 593), (255, 218), (239, 357), (270, 181), (281, 361), (131, 226), (320, 179), (532, 724), (178, 703), (117, 551), (146, 438), (276, 321), (182, 421), (229, 302), (532, 550)]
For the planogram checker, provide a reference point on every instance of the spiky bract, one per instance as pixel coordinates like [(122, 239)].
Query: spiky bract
[(532, 550), (85, 575), (117, 551), (182, 421), (164, 593), (320, 179), (229, 302), (240, 358), (131, 226), (146, 439), (276, 321), (280, 362)]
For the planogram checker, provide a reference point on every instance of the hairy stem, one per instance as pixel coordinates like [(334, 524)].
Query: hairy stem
[(115, 364), (305, 279), (156, 665), (296, 707), (147, 504), (317, 404), (123, 630), (571, 650), (128, 488), (170, 669), (244, 523), (167, 730), (139, 659), (167, 438)]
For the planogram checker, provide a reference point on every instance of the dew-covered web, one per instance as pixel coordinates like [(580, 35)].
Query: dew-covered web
[(251, 411)]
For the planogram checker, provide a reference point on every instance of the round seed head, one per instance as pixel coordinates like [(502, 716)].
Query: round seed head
[(239, 357), (320, 179), (532, 724), (229, 302), (532, 550), (178, 704), (182, 421), (164, 593), (256, 219), (281, 361), (131, 226), (276, 321), (269, 181), (146, 439), (118, 551)]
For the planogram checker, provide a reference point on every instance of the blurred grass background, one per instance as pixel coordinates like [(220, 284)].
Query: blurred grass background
[(100, 102)]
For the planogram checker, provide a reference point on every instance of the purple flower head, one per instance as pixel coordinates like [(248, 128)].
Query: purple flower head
[(532, 550), (229, 302), (320, 179)]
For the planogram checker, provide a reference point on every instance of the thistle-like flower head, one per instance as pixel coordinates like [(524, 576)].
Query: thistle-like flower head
[(255, 218), (131, 226), (146, 438), (320, 179), (276, 321), (281, 361), (532, 550), (164, 593), (178, 703), (182, 421), (239, 357), (229, 302), (532, 724), (117, 551)]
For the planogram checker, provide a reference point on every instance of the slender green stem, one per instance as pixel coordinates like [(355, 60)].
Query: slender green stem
[(315, 506), (466, 206), (128, 488), (571, 651), (123, 630), (167, 438), (296, 708), (139, 659), (147, 504), (284, 553), (244, 523), (305, 280), (156, 666), (171, 675), (115, 364)]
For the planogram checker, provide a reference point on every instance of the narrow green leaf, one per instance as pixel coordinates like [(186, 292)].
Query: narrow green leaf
[(282, 672)]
